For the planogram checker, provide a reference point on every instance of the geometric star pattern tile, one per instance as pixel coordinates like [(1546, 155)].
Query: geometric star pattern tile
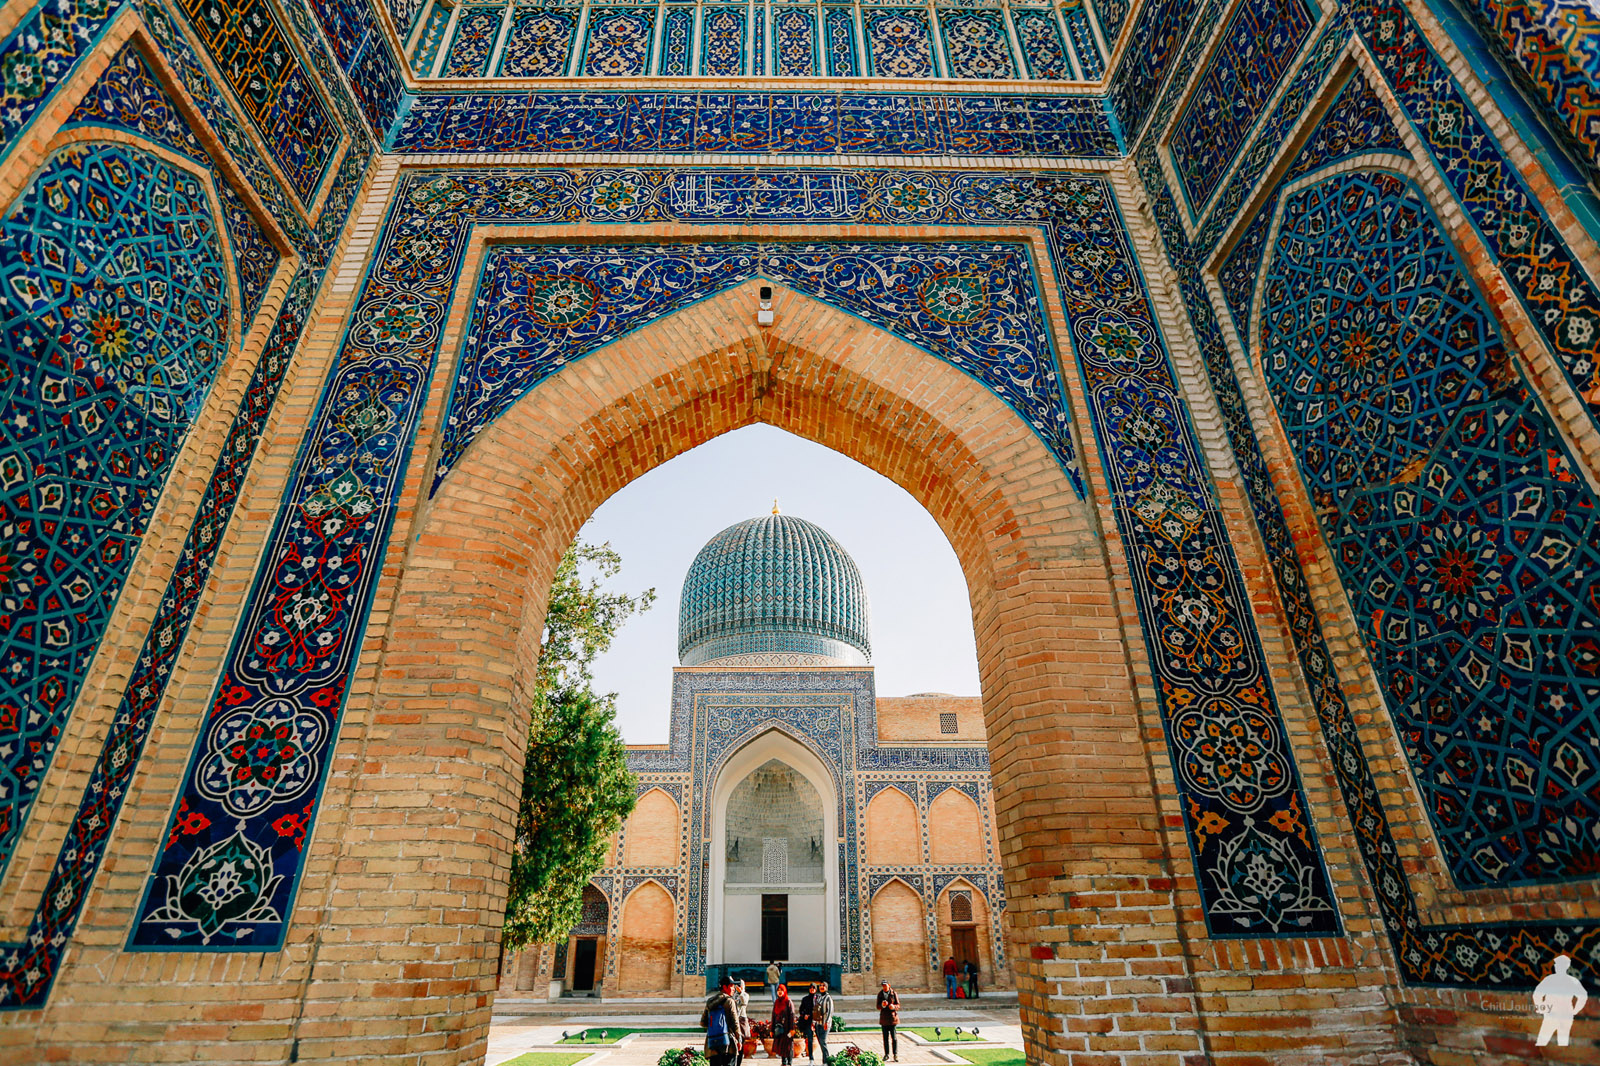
[(1467, 542), (116, 309)]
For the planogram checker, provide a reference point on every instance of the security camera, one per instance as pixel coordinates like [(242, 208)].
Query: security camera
[(764, 309)]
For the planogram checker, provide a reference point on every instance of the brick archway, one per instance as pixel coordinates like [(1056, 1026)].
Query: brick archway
[(457, 659)]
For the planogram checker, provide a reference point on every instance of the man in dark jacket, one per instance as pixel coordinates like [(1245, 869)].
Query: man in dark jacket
[(806, 1004), (969, 970), (888, 1020), (720, 1020)]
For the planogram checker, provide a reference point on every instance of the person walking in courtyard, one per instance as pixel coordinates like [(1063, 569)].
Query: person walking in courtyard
[(783, 1026), (720, 1020), (970, 970), (950, 978), (822, 1017), (1558, 997), (774, 979), (806, 1004), (889, 1020), (741, 1004)]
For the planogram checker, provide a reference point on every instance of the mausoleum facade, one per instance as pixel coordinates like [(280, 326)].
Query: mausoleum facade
[(794, 815)]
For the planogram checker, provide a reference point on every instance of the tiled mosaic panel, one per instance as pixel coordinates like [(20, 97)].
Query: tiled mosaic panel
[(734, 40), (1039, 34), (28, 967), (426, 49), (1355, 124), (130, 89), (1259, 870), (975, 44), (1553, 46), (116, 309), (1501, 956), (539, 43), (766, 123), (1243, 806), (477, 31), (1540, 269), (840, 42), (972, 305), (1256, 48), (1076, 17), (1158, 32), (618, 44), (1464, 536), (1112, 15), (758, 42), (899, 42), (263, 68), (794, 35), (362, 52), (722, 32)]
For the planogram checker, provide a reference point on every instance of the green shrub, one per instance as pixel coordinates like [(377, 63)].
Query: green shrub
[(836, 1025), (683, 1056), (853, 1055)]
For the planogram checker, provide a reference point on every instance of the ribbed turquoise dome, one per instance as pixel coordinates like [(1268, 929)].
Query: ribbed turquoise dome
[(777, 587)]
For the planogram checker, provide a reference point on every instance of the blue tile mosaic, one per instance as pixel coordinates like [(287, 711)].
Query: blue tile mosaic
[(539, 43), (1491, 955), (426, 49), (722, 39), (1084, 45), (764, 123), (618, 44), (255, 54), (477, 31), (676, 35), (1255, 50), (899, 42), (794, 31), (976, 44), (1042, 47), (840, 42), (129, 99), (974, 305), (117, 308), (1460, 527)]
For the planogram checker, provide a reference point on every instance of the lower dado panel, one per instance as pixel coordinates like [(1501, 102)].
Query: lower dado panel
[(921, 321)]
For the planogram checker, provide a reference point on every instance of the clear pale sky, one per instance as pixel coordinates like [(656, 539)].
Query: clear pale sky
[(920, 616)]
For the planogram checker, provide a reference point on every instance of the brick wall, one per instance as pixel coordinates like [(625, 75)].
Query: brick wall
[(651, 835), (917, 718), (899, 938)]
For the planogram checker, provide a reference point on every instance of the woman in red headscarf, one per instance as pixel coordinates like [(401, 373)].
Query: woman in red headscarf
[(783, 1024)]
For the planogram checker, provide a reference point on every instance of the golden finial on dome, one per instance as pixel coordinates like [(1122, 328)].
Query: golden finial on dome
[(774, 505)]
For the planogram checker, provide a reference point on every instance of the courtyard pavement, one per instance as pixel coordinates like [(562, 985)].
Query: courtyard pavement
[(524, 1025)]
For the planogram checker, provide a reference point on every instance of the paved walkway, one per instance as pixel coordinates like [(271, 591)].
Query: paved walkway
[(511, 1034)]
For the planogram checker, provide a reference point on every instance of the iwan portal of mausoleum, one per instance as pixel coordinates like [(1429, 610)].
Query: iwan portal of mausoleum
[(1244, 351)]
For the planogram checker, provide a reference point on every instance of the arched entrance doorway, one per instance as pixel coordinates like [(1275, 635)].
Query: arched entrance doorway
[(474, 580), (774, 863)]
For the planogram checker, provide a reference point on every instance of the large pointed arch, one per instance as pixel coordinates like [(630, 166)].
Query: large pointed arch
[(773, 742)]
